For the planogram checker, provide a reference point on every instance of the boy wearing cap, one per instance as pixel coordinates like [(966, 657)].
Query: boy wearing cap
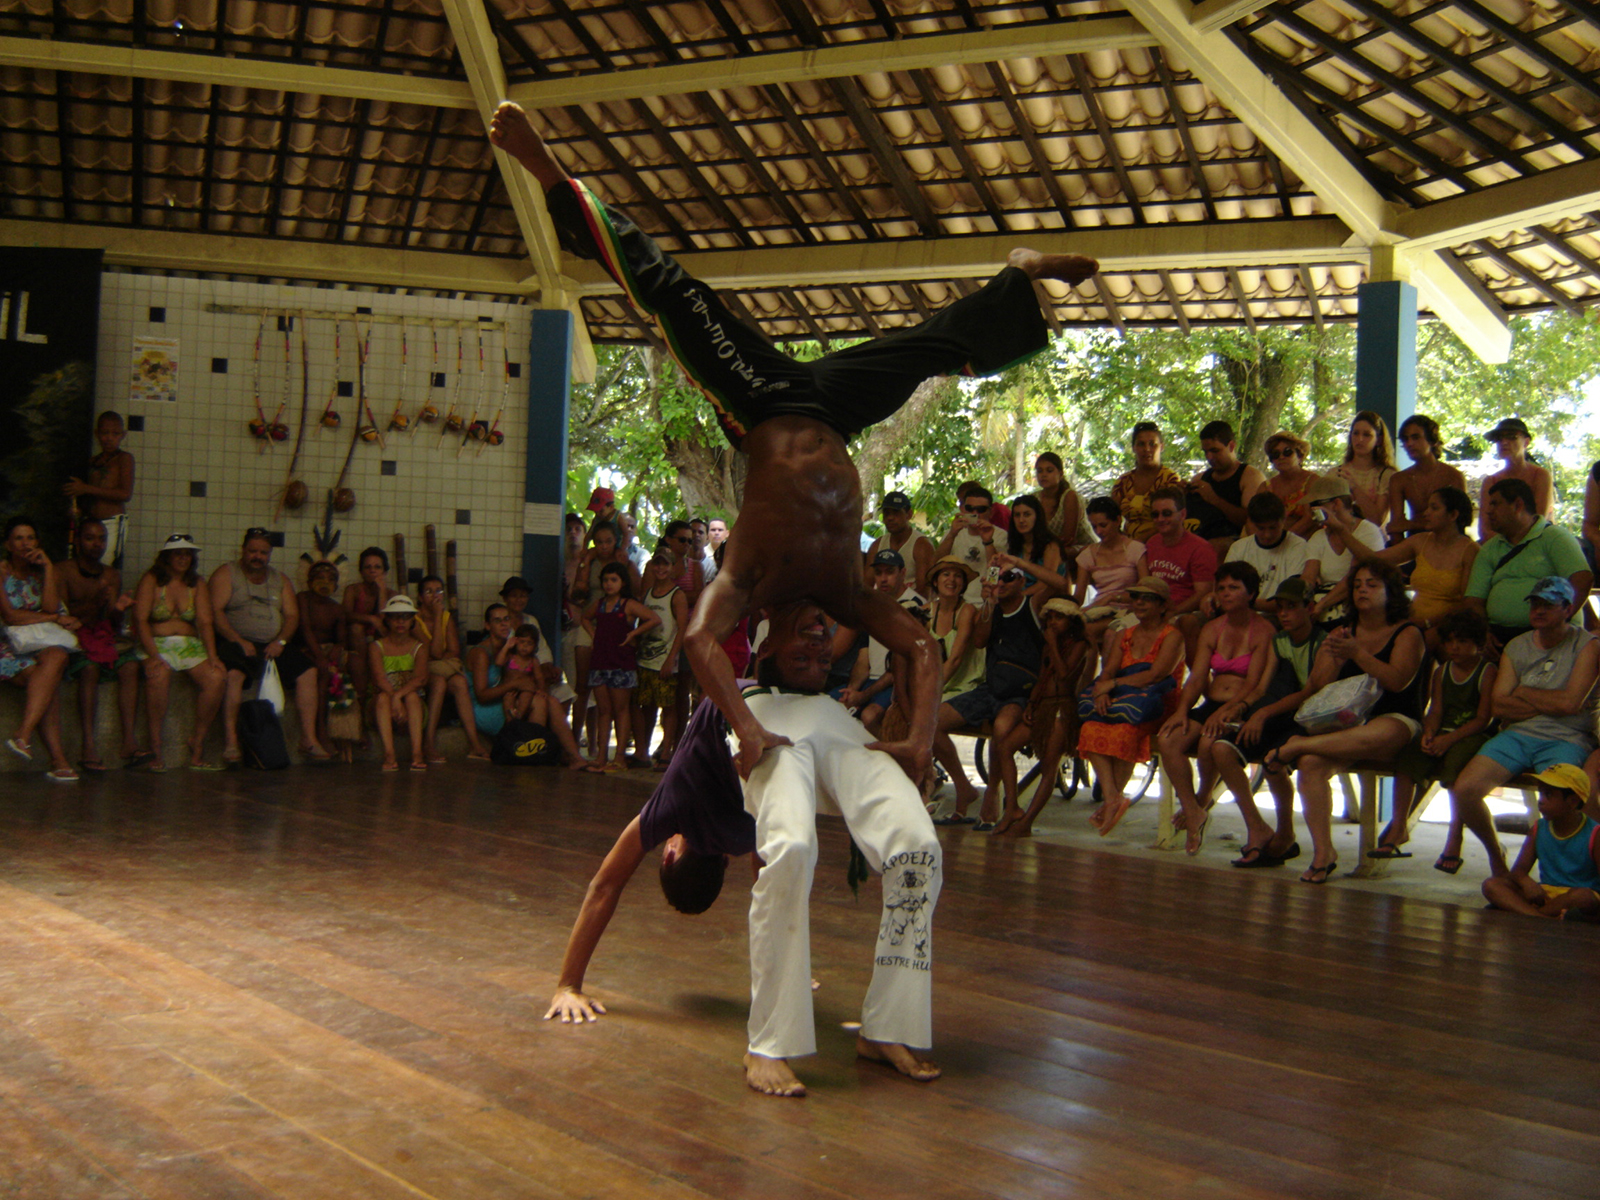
[(1328, 558), (1542, 698), (1566, 845), (1511, 440), (1525, 548), (871, 687), (898, 534)]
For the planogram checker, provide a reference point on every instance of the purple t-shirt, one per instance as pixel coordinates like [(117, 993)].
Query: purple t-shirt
[(1190, 562), (700, 796)]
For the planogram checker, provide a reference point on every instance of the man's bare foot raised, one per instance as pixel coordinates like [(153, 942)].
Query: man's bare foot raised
[(1069, 268), (511, 130), (771, 1076), (901, 1058)]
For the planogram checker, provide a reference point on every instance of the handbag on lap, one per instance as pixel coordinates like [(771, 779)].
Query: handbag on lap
[(1342, 704), (40, 635)]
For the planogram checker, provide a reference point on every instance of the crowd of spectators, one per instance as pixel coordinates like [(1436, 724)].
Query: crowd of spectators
[(1294, 624)]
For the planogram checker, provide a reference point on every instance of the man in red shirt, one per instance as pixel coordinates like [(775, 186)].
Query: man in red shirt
[(1184, 559)]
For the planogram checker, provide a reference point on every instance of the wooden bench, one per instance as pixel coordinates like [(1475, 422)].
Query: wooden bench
[(1362, 793)]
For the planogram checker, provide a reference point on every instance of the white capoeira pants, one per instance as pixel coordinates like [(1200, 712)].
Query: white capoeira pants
[(830, 765)]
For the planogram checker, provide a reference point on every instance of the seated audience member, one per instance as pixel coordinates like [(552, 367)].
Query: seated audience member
[(1111, 565), (1272, 550), (659, 651), (871, 687), (323, 634), (1229, 663), (1441, 553), (1368, 466), (1050, 720), (1063, 510), (1454, 728), (971, 538), (1268, 714), (950, 621), (1379, 641), (398, 662), (515, 594), (1009, 630), (1030, 548), (1140, 667), (30, 595), (1511, 440), (255, 614), (1409, 489), (1135, 491), (1524, 549), (1541, 697), (174, 622), (1566, 845), (899, 535), (93, 595), (491, 682), (436, 625), (1328, 555), (363, 607), (1183, 560), (999, 515), (1290, 480), (1217, 496)]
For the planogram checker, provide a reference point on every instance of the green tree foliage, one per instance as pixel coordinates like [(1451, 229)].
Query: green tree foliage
[(52, 419), (1082, 397)]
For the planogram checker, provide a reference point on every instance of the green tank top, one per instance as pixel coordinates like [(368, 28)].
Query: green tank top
[(970, 674), (401, 664), (1460, 700)]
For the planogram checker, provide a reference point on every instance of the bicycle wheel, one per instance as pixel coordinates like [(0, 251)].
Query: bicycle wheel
[(1073, 774)]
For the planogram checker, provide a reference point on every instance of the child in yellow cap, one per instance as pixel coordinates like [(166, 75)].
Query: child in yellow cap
[(1566, 845)]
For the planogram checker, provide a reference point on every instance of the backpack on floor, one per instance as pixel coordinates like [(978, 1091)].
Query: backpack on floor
[(261, 736), (523, 743)]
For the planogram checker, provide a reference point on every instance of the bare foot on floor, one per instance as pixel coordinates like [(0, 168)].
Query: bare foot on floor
[(771, 1076), (1017, 829), (1069, 268), (902, 1058)]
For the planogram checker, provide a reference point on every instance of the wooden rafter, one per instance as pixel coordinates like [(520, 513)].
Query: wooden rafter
[(1103, 128), (1311, 296), (1180, 120), (1533, 278), (1174, 300), (955, 141), (1237, 288)]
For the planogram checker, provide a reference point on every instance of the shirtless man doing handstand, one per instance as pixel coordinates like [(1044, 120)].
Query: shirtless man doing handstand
[(798, 532)]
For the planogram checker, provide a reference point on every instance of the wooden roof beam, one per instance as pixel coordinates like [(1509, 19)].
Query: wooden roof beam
[(1503, 208)]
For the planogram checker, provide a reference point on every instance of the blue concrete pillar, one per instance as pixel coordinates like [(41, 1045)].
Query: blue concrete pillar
[(1386, 382), (545, 482), (1386, 351)]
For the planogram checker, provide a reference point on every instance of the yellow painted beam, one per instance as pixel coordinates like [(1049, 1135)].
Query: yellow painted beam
[(1212, 15), (1119, 248), (277, 75), (839, 61), (1568, 191)]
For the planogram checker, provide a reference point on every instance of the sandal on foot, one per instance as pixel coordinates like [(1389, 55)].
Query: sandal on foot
[(1252, 856), (92, 766), (1388, 851), (205, 765), (389, 767), (139, 758), (1320, 874), (955, 819), (20, 748), (1448, 863), (983, 827), (1199, 837), (62, 775)]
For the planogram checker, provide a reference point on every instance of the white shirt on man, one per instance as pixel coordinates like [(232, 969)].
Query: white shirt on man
[(1273, 563)]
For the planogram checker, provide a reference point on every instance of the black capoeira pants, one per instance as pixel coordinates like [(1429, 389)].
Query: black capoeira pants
[(748, 379)]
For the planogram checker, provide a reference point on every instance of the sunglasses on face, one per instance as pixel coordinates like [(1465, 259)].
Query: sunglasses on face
[(1283, 452), (974, 511), (682, 537), (1010, 575)]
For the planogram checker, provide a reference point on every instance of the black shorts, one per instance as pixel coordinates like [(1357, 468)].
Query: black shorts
[(749, 380), (292, 663)]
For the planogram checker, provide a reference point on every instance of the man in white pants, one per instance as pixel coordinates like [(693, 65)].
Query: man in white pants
[(823, 763)]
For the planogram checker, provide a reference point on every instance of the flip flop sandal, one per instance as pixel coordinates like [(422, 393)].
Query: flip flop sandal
[(1252, 856), (955, 819), (1387, 851), (1449, 863), (62, 775), (1319, 875), (92, 766), (138, 759), (983, 827), (419, 766), (205, 765), (20, 748)]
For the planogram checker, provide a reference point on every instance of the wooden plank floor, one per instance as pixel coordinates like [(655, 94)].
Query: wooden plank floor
[(330, 983)]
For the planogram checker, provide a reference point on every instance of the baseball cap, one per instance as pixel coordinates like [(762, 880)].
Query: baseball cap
[(896, 500), (515, 584), (1327, 487), (1152, 585), (1292, 589), (1507, 427), (600, 497), (888, 558), (1555, 589), (1566, 775)]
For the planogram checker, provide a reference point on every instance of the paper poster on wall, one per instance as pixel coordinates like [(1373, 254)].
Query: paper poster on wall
[(155, 369)]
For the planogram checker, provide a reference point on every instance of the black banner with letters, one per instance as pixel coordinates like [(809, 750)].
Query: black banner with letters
[(49, 335)]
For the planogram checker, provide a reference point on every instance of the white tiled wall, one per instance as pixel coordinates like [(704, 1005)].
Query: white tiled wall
[(204, 437)]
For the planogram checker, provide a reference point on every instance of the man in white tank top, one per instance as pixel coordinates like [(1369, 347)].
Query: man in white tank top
[(899, 535)]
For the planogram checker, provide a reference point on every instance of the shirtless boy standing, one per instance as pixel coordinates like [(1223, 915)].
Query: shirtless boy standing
[(105, 494), (323, 632)]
